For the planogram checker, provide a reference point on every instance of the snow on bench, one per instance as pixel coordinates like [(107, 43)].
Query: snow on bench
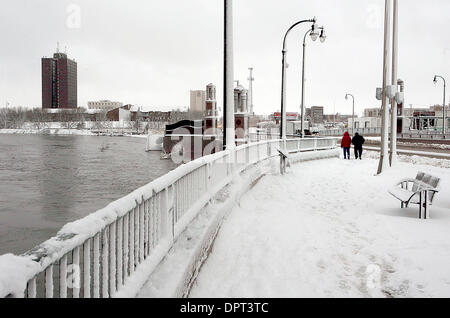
[(420, 190)]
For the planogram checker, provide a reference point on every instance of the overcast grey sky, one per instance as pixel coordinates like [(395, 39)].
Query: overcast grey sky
[(152, 52)]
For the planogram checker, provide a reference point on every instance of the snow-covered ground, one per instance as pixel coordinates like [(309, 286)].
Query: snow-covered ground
[(330, 229)]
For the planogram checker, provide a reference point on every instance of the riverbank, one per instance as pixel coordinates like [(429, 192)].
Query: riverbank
[(68, 132), (48, 131), (72, 132)]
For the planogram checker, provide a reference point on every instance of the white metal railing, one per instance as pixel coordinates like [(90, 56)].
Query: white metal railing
[(95, 256), (341, 131), (424, 134)]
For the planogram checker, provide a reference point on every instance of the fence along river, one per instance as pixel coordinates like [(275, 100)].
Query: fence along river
[(107, 247)]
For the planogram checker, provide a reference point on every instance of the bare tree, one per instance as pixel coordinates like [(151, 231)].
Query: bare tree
[(100, 118), (3, 118), (68, 119), (16, 116), (38, 117)]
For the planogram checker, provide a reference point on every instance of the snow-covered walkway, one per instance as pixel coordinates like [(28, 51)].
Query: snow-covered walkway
[(330, 229)]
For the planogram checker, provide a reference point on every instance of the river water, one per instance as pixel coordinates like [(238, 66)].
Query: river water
[(48, 181)]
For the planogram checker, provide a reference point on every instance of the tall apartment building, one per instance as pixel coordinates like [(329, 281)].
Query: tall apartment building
[(198, 102), (59, 82), (104, 105)]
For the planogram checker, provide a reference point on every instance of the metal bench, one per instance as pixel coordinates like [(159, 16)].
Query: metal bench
[(284, 160), (420, 190)]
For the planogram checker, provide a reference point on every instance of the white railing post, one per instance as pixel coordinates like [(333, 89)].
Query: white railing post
[(97, 266), (119, 252), (63, 277), (49, 282), (131, 241), (112, 262), (87, 269), (136, 236), (257, 150), (105, 267), (146, 222), (75, 265), (126, 244), (167, 219), (247, 155), (141, 231)]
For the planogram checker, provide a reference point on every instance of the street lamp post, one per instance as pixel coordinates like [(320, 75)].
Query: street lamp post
[(314, 38), (228, 91), (353, 111), (394, 101), (283, 77), (443, 103), (384, 155)]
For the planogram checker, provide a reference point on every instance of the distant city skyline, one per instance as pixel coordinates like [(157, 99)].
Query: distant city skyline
[(160, 51)]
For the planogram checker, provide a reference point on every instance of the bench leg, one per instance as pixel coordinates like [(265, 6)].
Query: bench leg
[(425, 205), (283, 165), (420, 205)]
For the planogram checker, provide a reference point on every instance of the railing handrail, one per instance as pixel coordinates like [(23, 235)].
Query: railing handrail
[(162, 200)]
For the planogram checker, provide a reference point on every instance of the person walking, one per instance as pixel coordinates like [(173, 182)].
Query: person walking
[(358, 142), (346, 143)]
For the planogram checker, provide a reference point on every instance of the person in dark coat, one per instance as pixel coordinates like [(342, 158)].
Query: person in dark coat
[(346, 143), (358, 142)]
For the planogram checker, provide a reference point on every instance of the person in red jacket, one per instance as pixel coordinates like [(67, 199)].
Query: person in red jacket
[(346, 143)]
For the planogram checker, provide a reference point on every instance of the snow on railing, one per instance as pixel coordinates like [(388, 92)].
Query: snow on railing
[(95, 256)]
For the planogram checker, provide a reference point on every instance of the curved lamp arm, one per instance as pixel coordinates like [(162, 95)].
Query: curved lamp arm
[(438, 76), (293, 26)]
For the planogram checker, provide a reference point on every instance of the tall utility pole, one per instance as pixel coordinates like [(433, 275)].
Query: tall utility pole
[(228, 86), (384, 156), (250, 90), (393, 148)]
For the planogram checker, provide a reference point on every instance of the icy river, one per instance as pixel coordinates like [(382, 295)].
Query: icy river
[(47, 181)]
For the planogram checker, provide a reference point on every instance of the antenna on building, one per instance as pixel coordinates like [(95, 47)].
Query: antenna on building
[(57, 47), (250, 89)]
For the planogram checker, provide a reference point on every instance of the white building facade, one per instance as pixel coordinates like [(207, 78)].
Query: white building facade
[(104, 105)]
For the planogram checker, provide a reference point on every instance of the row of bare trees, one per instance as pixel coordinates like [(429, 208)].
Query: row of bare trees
[(16, 117), (37, 118)]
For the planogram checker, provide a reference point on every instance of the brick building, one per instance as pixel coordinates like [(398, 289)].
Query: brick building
[(59, 82)]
